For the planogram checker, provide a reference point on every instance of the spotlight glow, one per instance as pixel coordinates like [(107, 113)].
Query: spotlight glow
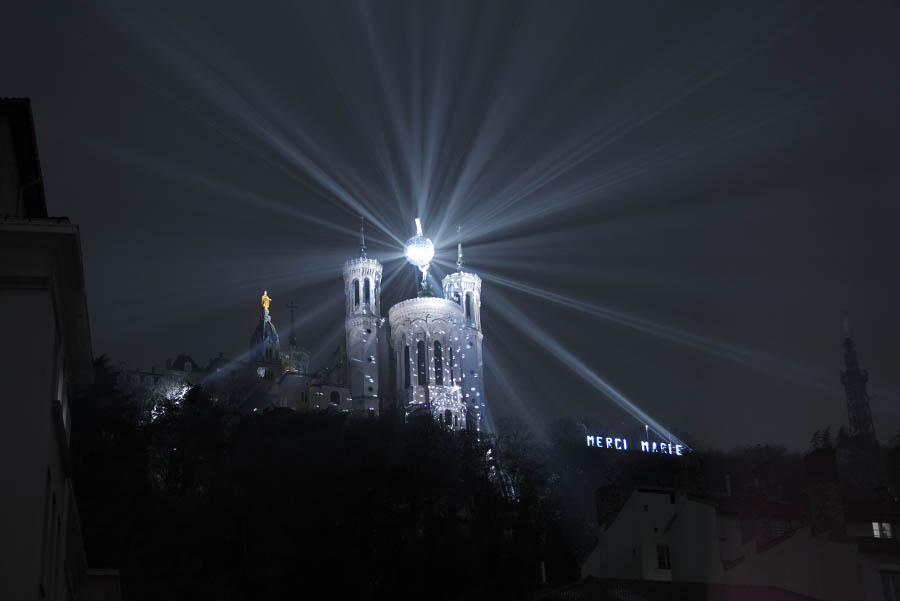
[(419, 249)]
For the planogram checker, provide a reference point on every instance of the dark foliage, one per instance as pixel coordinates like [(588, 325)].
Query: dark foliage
[(203, 503)]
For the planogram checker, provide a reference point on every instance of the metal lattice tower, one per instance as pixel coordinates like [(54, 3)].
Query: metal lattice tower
[(854, 380)]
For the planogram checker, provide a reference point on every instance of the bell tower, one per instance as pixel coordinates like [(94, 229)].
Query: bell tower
[(362, 288), (464, 289)]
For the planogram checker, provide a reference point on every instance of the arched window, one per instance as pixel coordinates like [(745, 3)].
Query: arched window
[(456, 297), (367, 288), (421, 363), (355, 293), (406, 366), (468, 306), (335, 397), (438, 364), (448, 418), (450, 365)]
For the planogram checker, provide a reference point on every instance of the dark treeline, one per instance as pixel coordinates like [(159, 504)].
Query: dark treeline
[(207, 503), (204, 502)]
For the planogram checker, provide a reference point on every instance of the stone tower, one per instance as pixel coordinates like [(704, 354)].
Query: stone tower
[(464, 289), (362, 287), (854, 380)]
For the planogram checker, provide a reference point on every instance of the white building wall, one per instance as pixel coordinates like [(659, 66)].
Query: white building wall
[(34, 433), (617, 553), (628, 548), (428, 320)]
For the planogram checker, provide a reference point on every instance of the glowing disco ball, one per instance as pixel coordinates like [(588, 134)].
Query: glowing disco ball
[(419, 249)]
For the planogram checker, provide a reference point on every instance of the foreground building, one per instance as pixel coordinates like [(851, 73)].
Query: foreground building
[(45, 354)]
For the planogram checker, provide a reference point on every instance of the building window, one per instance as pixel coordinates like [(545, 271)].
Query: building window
[(367, 291), (890, 583), (406, 366), (882, 530), (421, 362), (438, 364), (468, 306), (335, 397), (355, 293), (662, 557), (448, 418)]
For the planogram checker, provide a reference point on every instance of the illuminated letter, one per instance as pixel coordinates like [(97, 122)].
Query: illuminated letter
[(645, 446), (670, 448), (590, 441), (655, 449), (624, 444), (678, 449), (618, 440), (608, 442)]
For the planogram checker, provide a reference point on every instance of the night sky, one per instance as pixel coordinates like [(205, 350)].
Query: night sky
[(681, 195)]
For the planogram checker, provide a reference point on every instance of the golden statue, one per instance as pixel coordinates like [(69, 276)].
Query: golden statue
[(266, 300)]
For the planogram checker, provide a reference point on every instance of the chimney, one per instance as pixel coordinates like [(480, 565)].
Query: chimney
[(826, 508)]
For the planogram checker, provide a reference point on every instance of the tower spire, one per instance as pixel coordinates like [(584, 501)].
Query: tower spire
[(854, 380), (362, 236), (459, 256)]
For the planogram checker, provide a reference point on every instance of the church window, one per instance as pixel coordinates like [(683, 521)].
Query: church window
[(421, 363), (355, 293), (448, 417), (456, 297), (335, 397), (367, 291), (406, 361), (450, 366), (468, 306), (438, 364)]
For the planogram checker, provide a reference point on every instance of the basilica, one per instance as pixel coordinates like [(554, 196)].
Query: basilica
[(425, 358)]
